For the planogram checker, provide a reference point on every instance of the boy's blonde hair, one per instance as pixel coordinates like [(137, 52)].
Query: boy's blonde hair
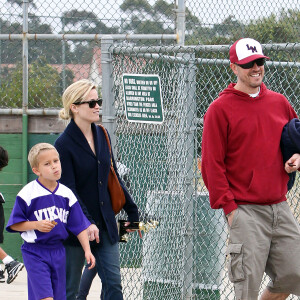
[(33, 155), (76, 92)]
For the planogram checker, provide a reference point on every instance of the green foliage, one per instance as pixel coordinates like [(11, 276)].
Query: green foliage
[(11, 88), (139, 26), (157, 18), (266, 29), (164, 8), (69, 79), (276, 29), (20, 2), (76, 21), (284, 80), (142, 17), (136, 5), (285, 29), (44, 86), (229, 29), (87, 21), (11, 50), (75, 16)]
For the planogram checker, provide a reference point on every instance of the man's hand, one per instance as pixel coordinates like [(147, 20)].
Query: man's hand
[(293, 164), (93, 233), (230, 217)]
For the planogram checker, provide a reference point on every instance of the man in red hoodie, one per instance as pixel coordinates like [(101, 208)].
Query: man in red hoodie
[(243, 169)]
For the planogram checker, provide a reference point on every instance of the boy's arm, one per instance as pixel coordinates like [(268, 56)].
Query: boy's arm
[(43, 226), (84, 241)]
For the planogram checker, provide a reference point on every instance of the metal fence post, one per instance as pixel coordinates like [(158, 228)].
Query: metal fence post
[(190, 187), (180, 22), (63, 54), (0, 54), (25, 93), (108, 109)]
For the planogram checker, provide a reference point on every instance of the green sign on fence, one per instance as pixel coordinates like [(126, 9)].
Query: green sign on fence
[(143, 101)]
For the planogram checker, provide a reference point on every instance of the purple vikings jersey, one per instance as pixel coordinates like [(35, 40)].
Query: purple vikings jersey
[(35, 203)]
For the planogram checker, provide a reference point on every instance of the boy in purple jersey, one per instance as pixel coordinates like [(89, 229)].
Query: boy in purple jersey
[(43, 212)]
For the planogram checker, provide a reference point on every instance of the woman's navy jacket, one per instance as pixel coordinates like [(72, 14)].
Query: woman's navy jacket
[(86, 174), (290, 144)]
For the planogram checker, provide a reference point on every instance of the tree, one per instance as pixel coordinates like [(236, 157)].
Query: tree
[(49, 49), (228, 27), (20, 2), (86, 22), (144, 18), (11, 51), (44, 83), (44, 86), (282, 29), (76, 21), (141, 7), (157, 18), (11, 87)]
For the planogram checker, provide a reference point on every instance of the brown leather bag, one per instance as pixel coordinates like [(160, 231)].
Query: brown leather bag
[(116, 192)]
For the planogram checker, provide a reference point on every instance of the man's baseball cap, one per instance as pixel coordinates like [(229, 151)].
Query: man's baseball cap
[(245, 50)]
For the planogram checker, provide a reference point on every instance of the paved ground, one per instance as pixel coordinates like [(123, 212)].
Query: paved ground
[(18, 288)]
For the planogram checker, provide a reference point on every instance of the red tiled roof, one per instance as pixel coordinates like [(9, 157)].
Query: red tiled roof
[(9, 66), (97, 58)]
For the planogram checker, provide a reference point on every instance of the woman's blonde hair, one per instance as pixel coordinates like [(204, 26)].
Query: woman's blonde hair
[(76, 92), (33, 155)]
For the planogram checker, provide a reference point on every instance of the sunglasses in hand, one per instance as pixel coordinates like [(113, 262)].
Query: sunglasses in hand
[(92, 103)]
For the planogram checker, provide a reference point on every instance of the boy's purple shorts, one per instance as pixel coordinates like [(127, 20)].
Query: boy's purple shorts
[(46, 272)]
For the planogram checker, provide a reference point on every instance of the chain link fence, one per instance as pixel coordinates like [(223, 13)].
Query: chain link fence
[(205, 22), (184, 257)]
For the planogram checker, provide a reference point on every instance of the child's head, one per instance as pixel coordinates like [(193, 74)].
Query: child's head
[(44, 161), (33, 155), (3, 158)]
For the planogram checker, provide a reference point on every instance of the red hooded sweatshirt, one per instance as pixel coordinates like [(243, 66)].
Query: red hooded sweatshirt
[(241, 157)]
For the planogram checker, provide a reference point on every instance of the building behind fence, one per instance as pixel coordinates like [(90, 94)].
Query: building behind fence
[(45, 46)]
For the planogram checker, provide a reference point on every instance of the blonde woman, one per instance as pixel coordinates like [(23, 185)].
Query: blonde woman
[(85, 161)]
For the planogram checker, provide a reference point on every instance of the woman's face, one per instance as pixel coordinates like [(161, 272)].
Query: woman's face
[(84, 112)]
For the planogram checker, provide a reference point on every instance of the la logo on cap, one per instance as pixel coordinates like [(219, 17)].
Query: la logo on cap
[(245, 50), (252, 48)]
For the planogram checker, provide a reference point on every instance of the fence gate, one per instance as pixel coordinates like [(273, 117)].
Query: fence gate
[(183, 257)]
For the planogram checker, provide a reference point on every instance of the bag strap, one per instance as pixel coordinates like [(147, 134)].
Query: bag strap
[(108, 142)]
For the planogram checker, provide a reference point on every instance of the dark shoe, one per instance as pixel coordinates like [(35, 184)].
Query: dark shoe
[(13, 269), (2, 277)]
